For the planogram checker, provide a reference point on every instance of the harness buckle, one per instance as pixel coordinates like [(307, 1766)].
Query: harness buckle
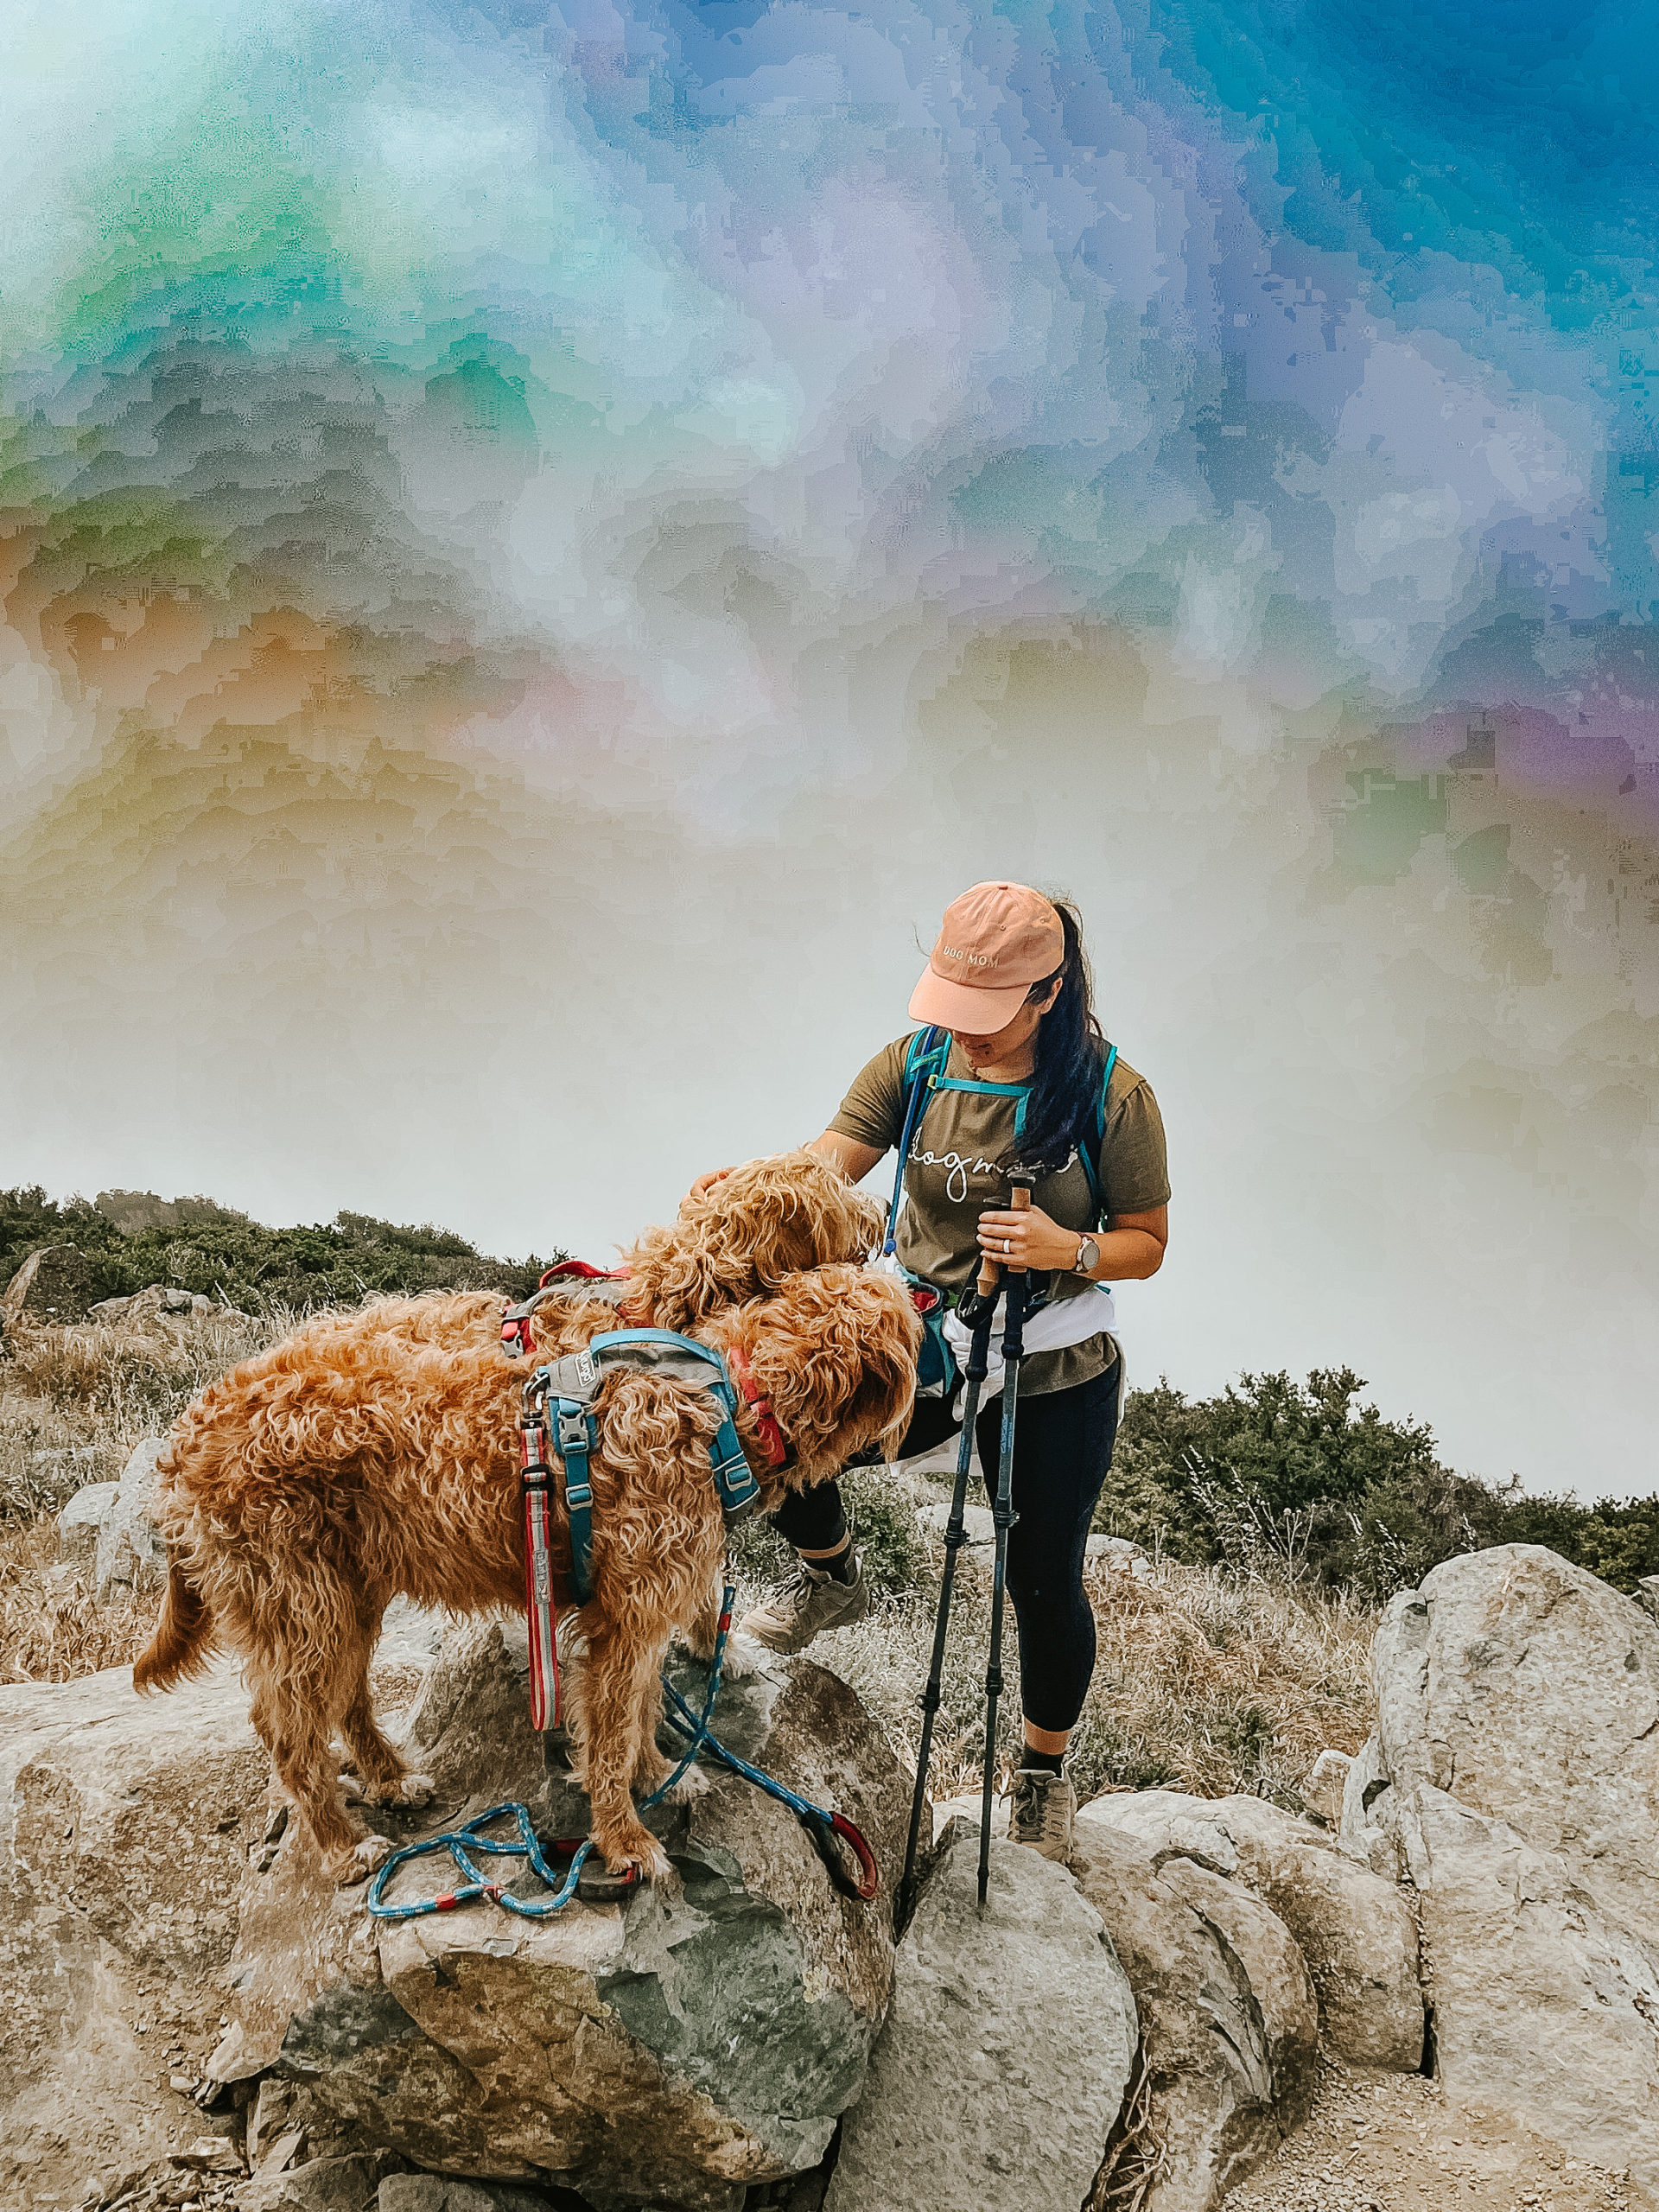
[(572, 1430)]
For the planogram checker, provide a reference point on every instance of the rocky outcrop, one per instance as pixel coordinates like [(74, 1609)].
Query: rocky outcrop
[(1323, 1787), (1514, 1780), (675, 2048), (127, 1827), (56, 1283), (161, 1299), (81, 1521), (1228, 2020), (130, 1553), (1354, 1929), (1006, 2053), (108, 1526)]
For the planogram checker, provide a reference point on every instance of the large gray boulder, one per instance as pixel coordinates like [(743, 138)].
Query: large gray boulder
[(127, 1829), (675, 2049), (130, 1553), (1354, 1929), (1229, 2020), (125, 1826), (1006, 2052), (1515, 1779)]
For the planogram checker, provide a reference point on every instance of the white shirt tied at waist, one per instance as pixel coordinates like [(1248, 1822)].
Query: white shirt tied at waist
[(1062, 1321)]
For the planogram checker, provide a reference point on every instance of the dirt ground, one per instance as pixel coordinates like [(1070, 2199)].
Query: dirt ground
[(1392, 2143)]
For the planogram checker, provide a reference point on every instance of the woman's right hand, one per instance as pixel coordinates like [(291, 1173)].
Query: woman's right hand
[(706, 1183)]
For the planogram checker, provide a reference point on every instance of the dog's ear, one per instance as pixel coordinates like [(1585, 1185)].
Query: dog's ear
[(836, 1351), (682, 1275)]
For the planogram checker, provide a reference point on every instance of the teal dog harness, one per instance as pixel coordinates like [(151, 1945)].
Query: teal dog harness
[(558, 1406)]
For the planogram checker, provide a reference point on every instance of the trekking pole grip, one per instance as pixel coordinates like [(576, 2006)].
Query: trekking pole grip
[(990, 1271), (1020, 1183)]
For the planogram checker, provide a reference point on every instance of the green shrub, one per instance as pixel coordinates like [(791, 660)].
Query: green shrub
[(884, 1528), (133, 1238), (1303, 1482)]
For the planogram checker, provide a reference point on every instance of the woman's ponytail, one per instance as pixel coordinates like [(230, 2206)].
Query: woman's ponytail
[(1070, 1058)]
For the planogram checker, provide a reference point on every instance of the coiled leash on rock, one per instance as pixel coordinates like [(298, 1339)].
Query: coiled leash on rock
[(460, 1843), (822, 1825)]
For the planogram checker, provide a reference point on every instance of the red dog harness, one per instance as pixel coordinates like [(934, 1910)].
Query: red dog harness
[(772, 1435), (515, 1322)]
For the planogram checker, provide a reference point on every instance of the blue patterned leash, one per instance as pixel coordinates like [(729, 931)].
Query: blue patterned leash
[(822, 1825), (461, 1843)]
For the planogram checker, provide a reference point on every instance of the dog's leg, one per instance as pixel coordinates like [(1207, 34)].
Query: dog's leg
[(653, 1769), (618, 1695), (287, 1715), (381, 1770)]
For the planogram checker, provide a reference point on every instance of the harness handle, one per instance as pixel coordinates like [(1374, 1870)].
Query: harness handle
[(867, 1881)]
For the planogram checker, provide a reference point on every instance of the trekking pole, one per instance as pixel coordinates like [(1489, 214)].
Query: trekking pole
[(955, 1536), (1002, 1517)]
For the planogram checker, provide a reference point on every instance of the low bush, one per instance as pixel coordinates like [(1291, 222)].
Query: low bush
[(1306, 1484)]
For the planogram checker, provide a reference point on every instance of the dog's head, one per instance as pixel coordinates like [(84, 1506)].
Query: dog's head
[(743, 1237), (835, 1350)]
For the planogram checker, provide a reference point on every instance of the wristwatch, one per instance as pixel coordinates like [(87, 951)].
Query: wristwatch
[(1088, 1257)]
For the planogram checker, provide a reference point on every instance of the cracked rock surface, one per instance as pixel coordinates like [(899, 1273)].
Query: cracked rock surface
[(1513, 1780), (699, 2038)]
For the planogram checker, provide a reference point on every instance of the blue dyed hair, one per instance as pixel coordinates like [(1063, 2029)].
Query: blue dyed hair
[(1070, 1056)]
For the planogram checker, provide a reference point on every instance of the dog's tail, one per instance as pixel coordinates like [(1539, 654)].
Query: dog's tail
[(183, 1637)]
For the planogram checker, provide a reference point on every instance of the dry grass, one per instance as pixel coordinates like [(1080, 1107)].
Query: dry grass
[(73, 1401), (1206, 1681), (52, 1627)]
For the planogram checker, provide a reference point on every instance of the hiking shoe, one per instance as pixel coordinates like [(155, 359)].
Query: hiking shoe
[(806, 1602), (1043, 1812)]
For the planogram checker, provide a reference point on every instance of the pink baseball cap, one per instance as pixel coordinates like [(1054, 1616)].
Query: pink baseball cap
[(997, 941)]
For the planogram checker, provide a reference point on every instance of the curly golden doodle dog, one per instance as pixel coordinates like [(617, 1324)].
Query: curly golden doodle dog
[(770, 1219), (349, 1465)]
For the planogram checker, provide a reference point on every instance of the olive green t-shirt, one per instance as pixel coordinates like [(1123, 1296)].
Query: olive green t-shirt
[(958, 1168)]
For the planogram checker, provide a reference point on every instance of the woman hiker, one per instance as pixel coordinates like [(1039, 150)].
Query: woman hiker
[(1029, 1080)]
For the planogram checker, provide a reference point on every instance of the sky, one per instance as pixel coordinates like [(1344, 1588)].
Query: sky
[(540, 546)]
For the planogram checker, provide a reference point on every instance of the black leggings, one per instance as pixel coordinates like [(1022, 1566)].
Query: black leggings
[(1062, 1450)]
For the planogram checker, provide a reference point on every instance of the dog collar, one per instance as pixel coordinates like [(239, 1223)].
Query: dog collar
[(516, 1339), (766, 1421)]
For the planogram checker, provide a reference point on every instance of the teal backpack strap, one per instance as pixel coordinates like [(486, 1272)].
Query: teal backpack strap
[(926, 1059), (1019, 1090)]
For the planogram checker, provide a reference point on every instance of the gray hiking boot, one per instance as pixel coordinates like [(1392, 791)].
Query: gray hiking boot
[(1043, 1812), (806, 1602)]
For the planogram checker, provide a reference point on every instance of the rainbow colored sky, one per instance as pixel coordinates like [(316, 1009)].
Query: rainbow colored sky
[(542, 544)]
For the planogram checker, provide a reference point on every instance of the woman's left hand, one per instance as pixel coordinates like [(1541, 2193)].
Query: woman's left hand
[(1028, 1239)]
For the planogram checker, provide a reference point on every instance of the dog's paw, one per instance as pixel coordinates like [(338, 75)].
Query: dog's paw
[(406, 1790), (362, 1860), (641, 1851), (744, 1658), (693, 1783)]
